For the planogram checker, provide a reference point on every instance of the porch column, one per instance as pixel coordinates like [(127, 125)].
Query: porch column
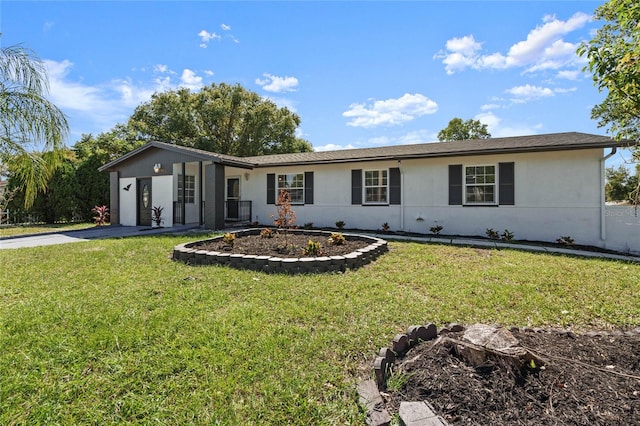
[(214, 192), (114, 198), (200, 194), (183, 205)]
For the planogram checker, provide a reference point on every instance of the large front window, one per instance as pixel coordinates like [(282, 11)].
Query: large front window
[(480, 184), (293, 183), (186, 189), (376, 185)]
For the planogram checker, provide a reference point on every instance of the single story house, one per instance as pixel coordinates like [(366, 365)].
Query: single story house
[(538, 187)]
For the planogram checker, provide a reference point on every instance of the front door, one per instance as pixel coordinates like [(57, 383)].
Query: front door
[(233, 198), (144, 202)]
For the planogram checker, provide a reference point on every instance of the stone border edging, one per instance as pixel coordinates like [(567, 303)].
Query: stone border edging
[(273, 264)]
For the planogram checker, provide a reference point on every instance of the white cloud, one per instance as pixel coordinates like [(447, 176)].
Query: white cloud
[(190, 80), (390, 111), (206, 37), (544, 48), (225, 27), (68, 94), (498, 130), (273, 83), (93, 108), (462, 53), (208, 73), (570, 74), (416, 136), (98, 107), (487, 107), (528, 92), (332, 147)]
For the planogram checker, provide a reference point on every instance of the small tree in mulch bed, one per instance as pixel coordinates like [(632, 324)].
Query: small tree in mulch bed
[(285, 218)]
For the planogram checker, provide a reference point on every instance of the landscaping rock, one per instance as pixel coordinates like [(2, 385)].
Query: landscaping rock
[(419, 414), (371, 401)]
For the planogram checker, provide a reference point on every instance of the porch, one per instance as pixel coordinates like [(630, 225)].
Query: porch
[(235, 212)]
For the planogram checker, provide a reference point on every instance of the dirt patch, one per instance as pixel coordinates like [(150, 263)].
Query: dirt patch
[(587, 380), (284, 244)]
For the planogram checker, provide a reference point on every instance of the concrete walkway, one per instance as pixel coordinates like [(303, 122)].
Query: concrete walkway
[(491, 244), (119, 231), (94, 233)]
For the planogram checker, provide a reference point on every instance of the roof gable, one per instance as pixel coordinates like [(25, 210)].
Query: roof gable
[(196, 154)]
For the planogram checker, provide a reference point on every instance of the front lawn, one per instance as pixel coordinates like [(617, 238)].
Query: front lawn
[(113, 331)]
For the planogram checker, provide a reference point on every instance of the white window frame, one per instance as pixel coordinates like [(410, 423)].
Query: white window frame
[(289, 178), (188, 185), (468, 185), (384, 176)]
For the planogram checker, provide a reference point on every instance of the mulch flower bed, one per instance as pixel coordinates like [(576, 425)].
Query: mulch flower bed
[(588, 379), (283, 244)]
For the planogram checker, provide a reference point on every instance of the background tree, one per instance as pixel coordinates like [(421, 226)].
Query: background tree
[(621, 184), (219, 118), (614, 60), (91, 153), (458, 130), (28, 121), (57, 202)]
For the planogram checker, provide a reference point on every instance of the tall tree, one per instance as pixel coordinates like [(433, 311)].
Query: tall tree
[(29, 122), (458, 130), (614, 60), (220, 118)]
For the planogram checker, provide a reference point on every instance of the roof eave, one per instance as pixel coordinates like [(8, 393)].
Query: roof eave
[(490, 151)]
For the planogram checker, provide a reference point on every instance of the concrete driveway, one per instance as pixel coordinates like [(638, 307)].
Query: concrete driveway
[(95, 233)]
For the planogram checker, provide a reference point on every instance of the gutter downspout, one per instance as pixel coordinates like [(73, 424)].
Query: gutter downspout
[(603, 219)]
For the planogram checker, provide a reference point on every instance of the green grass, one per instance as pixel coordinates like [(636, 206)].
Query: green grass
[(12, 230), (113, 331)]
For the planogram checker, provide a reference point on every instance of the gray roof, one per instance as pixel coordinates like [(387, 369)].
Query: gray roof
[(517, 144), (535, 143)]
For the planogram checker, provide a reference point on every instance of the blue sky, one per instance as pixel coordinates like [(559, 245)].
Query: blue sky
[(359, 74)]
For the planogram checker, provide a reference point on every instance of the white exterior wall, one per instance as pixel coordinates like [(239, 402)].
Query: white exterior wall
[(556, 194), (128, 202), (162, 196), (623, 229)]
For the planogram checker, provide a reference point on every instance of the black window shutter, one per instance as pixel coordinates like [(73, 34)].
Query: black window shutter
[(506, 185), (455, 184), (308, 187), (394, 186), (356, 186), (271, 188)]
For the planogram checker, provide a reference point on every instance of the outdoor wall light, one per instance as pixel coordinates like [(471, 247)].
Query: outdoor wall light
[(157, 167), (246, 176)]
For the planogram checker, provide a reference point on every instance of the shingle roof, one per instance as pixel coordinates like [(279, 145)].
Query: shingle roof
[(547, 142), (517, 144)]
